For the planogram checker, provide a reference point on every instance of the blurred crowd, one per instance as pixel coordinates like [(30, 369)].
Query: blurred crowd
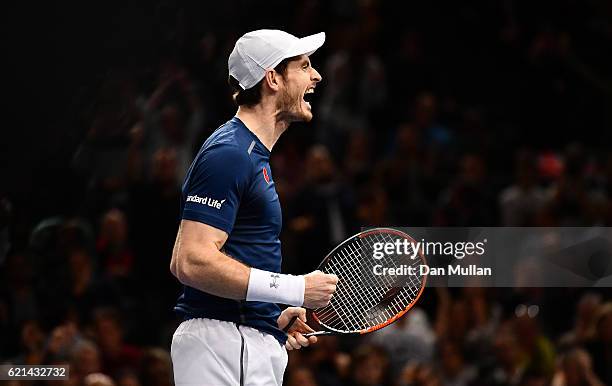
[(483, 114)]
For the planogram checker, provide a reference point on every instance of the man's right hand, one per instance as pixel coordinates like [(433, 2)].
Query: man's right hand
[(319, 288)]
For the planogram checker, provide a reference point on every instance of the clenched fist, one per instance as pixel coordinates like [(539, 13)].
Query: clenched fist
[(319, 289)]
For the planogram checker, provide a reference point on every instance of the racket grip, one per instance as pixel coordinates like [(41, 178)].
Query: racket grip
[(317, 333), (290, 324)]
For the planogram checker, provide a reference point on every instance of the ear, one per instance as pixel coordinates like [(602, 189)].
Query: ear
[(272, 79)]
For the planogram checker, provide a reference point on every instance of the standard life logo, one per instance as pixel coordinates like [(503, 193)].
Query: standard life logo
[(205, 201)]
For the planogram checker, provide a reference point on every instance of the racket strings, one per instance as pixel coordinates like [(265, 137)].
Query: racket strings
[(400, 300), (353, 297), (411, 285), (363, 299)]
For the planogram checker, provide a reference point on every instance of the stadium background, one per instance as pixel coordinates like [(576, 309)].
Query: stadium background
[(479, 113)]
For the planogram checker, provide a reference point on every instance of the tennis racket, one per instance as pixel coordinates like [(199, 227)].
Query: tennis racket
[(365, 301)]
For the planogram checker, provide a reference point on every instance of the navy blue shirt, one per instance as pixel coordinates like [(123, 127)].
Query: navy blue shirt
[(229, 186)]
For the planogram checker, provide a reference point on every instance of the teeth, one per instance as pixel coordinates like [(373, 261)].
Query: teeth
[(309, 91)]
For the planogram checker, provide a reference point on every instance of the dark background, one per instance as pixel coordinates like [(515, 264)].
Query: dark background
[(478, 113)]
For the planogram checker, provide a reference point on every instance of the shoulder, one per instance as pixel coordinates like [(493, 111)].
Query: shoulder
[(228, 143), (224, 163), (224, 156), (231, 133), (227, 154)]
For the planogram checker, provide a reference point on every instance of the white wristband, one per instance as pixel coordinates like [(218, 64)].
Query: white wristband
[(274, 287)]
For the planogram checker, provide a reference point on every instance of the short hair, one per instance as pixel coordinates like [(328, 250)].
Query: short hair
[(252, 96)]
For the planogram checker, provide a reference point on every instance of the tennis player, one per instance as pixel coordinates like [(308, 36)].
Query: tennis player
[(227, 251)]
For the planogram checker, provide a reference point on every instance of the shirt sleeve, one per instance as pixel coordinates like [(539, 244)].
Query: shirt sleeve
[(216, 185)]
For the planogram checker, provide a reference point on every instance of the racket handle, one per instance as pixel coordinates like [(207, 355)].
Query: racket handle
[(290, 324), (317, 333)]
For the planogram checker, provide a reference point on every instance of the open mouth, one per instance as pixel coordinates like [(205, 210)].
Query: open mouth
[(308, 96)]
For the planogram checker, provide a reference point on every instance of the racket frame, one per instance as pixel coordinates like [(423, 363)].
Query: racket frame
[(332, 331)]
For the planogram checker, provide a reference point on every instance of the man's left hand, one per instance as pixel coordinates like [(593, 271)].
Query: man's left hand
[(295, 339)]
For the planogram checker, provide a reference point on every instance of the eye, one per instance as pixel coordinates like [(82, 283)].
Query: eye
[(305, 66)]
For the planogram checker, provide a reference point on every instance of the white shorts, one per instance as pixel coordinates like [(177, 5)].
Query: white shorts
[(209, 352)]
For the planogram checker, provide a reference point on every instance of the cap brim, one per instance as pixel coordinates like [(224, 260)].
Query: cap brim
[(307, 45)]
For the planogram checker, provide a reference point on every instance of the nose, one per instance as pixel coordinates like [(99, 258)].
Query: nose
[(315, 76)]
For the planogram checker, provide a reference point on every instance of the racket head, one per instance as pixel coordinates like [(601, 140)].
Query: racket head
[(364, 302)]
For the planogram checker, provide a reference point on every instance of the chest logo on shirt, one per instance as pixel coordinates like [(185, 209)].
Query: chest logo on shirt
[(266, 176)]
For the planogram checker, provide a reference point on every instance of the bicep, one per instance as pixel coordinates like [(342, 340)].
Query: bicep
[(198, 262), (197, 236)]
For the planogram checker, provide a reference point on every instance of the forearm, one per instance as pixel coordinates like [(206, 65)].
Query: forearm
[(223, 276)]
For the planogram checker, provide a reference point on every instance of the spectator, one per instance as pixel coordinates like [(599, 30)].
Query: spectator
[(33, 344), (373, 207), (153, 244), (164, 123), (539, 350), (571, 198), (358, 159), (156, 368), (524, 199), (128, 378), (321, 213), (409, 339), (369, 366), (98, 379), (586, 311), (426, 121), (468, 201), (301, 376), (21, 298), (600, 344), (453, 320), (116, 355), (154, 218), (454, 372), (509, 368), (64, 340), (329, 363), (484, 318), (406, 177), (87, 289), (418, 374), (112, 244), (85, 360), (102, 157), (575, 369)]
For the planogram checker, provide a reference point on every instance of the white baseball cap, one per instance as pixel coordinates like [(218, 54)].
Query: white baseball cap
[(262, 50)]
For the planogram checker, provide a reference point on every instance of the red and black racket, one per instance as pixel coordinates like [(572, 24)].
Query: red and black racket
[(365, 301)]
